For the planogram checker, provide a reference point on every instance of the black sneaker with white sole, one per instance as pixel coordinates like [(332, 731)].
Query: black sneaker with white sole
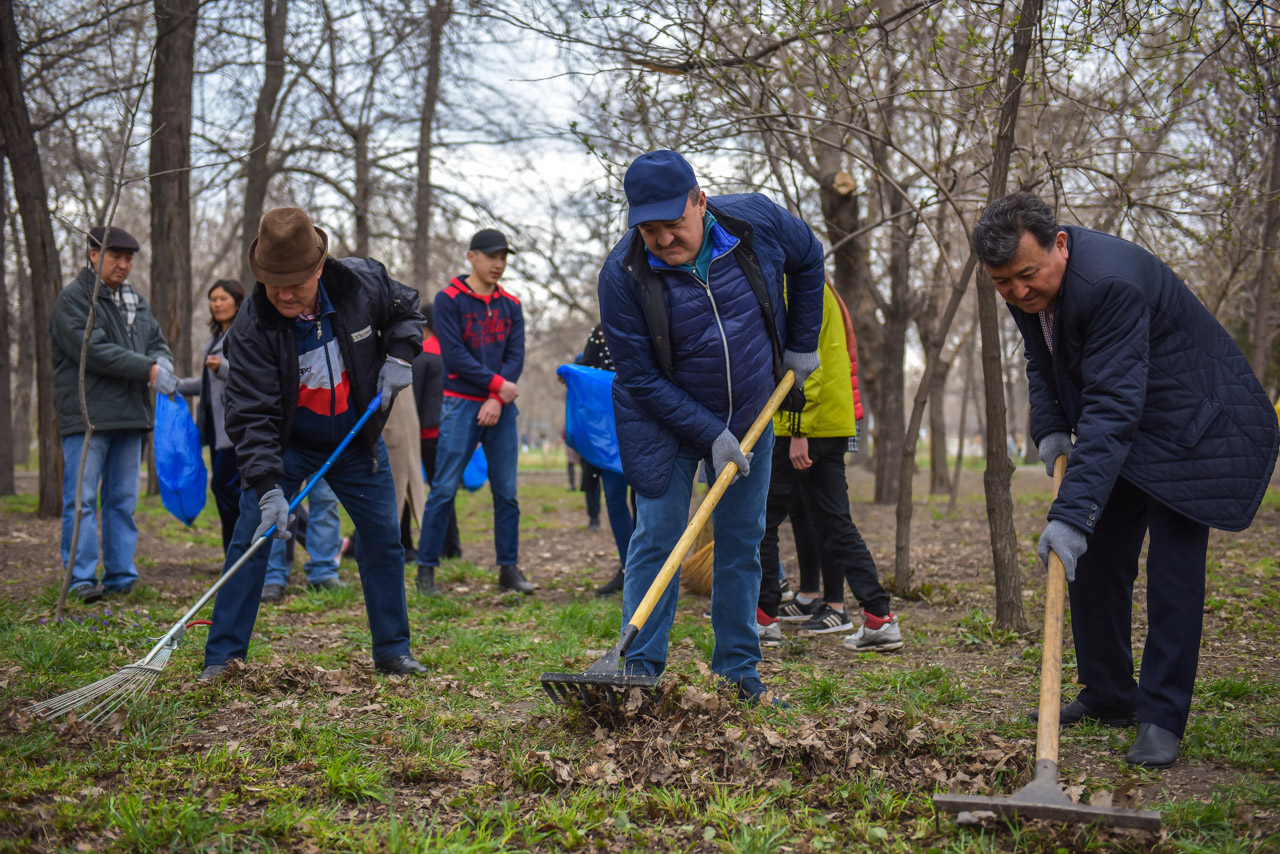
[(796, 611), (827, 620)]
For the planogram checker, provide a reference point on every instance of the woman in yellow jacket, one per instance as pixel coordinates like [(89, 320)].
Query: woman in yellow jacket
[(812, 465)]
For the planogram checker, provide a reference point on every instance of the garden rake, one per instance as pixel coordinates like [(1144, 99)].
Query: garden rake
[(605, 683), (133, 681), (1043, 798)]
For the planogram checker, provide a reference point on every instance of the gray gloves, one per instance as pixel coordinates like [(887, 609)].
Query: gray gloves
[(395, 375), (1067, 541), (166, 382), (726, 449), (1053, 446), (275, 511), (802, 364)]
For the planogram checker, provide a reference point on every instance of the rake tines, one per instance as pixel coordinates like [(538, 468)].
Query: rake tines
[(110, 693)]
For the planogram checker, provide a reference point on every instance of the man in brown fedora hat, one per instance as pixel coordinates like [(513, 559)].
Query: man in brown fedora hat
[(313, 344)]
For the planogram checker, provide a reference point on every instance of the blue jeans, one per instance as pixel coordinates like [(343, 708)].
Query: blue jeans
[(363, 484), (114, 458), (324, 541), (620, 519), (738, 521), (459, 434)]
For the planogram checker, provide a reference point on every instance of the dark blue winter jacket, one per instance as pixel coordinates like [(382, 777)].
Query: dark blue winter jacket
[(1152, 386), (693, 357), (481, 339)]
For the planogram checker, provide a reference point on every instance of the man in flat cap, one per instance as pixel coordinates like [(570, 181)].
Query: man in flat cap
[(127, 352), (314, 343), (692, 305), (480, 328)]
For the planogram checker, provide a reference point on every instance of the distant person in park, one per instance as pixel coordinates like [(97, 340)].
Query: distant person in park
[(692, 307), (315, 342), (127, 353), (1173, 435), (811, 462), (480, 327), (428, 391), (596, 355), (225, 298)]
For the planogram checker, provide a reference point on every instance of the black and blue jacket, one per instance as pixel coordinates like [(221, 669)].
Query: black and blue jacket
[(694, 356), (1152, 386)]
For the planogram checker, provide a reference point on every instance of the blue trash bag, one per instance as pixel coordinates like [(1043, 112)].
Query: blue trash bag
[(477, 470), (179, 459), (589, 427)]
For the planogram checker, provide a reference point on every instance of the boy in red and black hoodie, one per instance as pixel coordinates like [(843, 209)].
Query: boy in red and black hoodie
[(480, 328)]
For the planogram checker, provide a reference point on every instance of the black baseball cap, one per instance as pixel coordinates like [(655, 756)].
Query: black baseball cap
[(489, 241), (117, 238)]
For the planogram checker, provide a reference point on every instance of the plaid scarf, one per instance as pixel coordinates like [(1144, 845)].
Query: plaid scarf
[(126, 299)]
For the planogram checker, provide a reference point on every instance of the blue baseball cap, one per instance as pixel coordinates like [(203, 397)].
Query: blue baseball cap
[(657, 185)]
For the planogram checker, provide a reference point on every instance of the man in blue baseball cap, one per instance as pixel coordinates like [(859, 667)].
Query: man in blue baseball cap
[(691, 303)]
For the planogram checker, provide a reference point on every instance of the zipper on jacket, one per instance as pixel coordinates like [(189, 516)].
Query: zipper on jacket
[(724, 338)]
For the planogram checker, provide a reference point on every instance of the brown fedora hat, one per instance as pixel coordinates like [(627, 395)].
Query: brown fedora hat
[(288, 249)]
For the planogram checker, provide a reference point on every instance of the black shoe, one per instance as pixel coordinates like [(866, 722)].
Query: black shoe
[(1155, 747), (426, 582), (401, 665), (796, 611), (88, 592), (328, 584), (211, 672), (752, 692), (272, 592), (511, 578), (118, 591), (613, 586), (594, 524), (1075, 712)]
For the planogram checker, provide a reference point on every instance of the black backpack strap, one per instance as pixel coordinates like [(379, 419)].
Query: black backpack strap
[(654, 304)]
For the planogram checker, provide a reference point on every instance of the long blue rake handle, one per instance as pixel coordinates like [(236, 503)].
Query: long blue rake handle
[(174, 634)]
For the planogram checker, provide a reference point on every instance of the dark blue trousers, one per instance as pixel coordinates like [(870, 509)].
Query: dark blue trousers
[(1102, 609), (363, 484)]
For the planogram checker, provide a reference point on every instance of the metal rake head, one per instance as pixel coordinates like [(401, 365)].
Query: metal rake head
[(106, 695), (595, 689)]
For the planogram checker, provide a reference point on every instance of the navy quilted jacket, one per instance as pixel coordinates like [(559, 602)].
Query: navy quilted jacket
[(726, 336), (1152, 386)]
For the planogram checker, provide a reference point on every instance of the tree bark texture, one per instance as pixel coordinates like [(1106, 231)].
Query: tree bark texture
[(364, 191), (424, 196), (6, 369), (25, 372), (939, 478), (42, 253), (999, 471), (890, 417), (171, 175), (1264, 329), (258, 169)]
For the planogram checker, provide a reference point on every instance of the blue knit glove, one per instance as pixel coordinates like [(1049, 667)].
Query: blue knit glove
[(1068, 543), (395, 375), (1053, 446), (802, 364), (726, 449)]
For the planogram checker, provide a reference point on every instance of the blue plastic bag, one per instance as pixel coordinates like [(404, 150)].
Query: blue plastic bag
[(179, 460), (589, 427), (477, 470)]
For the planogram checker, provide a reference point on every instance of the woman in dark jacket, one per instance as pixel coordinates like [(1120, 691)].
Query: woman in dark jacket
[(225, 297)]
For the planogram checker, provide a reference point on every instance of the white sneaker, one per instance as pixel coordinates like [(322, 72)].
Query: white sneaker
[(787, 593), (770, 635), (884, 639)]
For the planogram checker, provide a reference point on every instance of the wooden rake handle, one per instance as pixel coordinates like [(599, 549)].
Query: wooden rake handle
[(727, 474), (1051, 655)]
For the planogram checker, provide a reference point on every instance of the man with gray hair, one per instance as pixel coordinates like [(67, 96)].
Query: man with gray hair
[(1173, 436)]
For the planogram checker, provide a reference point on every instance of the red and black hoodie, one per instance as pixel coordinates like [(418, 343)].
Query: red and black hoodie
[(481, 340)]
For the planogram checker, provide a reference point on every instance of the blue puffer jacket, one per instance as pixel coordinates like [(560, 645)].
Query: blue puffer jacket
[(1153, 387), (724, 338)]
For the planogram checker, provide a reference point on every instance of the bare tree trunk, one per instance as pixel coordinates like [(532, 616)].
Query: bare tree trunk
[(891, 419), (6, 369), (42, 253), (363, 190), (962, 431), (257, 167), (171, 174), (424, 196), (939, 482), (1263, 328), (999, 471), (26, 370)]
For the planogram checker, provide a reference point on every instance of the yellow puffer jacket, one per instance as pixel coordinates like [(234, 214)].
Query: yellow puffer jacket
[(828, 391)]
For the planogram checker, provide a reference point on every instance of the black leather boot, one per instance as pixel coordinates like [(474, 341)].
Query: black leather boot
[(1155, 747), (614, 585), (511, 578), (426, 582), (1075, 712)]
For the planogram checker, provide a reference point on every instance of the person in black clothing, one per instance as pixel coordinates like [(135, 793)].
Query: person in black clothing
[(428, 390)]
